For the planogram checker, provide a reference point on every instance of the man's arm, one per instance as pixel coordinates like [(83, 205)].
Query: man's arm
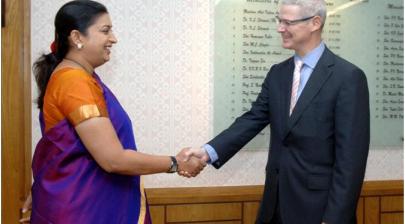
[(352, 138), (245, 127)]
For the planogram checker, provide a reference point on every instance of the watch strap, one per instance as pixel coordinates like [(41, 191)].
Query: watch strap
[(173, 166)]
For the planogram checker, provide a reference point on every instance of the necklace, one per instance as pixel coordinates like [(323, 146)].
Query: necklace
[(79, 64)]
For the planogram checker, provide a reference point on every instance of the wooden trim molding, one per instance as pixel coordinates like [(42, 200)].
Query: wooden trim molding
[(159, 196), (16, 108), (379, 188), (380, 202)]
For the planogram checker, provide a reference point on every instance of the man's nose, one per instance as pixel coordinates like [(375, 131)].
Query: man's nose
[(280, 28)]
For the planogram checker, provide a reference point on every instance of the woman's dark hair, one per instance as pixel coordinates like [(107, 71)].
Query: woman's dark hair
[(74, 15)]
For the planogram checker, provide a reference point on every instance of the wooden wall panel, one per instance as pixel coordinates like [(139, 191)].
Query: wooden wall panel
[(223, 222), (392, 218), (158, 214), (16, 109), (372, 210), (360, 211), (181, 195), (392, 203), (204, 212), (250, 210), (380, 202)]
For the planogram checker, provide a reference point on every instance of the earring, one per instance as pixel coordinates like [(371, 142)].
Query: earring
[(79, 46)]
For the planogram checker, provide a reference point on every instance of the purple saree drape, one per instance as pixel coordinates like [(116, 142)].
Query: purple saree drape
[(70, 187)]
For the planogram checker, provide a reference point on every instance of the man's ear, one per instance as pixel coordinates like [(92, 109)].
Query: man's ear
[(317, 23)]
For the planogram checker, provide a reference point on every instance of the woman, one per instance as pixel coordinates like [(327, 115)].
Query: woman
[(86, 168)]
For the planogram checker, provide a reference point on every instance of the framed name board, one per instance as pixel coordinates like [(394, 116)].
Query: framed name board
[(367, 33)]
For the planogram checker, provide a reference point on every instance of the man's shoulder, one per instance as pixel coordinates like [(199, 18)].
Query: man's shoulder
[(284, 63), (345, 68), (340, 62)]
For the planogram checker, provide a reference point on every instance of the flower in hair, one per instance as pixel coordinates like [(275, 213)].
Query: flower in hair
[(53, 47)]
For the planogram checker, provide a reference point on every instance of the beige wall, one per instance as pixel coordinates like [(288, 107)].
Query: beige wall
[(162, 72)]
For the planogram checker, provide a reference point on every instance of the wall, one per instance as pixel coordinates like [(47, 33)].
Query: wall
[(161, 70)]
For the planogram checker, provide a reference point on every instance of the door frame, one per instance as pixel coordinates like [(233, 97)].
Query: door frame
[(16, 107)]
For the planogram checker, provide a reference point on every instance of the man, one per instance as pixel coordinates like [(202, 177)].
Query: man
[(317, 105)]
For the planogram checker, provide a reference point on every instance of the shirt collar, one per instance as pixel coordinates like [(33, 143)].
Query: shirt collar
[(312, 58)]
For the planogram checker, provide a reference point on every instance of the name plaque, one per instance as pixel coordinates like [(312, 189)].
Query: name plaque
[(367, 33)]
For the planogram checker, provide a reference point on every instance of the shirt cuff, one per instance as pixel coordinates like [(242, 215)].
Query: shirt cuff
[(211, 153)]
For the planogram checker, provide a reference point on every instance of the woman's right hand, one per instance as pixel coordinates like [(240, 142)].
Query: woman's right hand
[(25, 210), (189, 166)]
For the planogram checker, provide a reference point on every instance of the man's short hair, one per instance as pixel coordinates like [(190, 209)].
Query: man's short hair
[(309, 8)]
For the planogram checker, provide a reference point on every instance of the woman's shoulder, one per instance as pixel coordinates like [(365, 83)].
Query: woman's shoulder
[(70, 78), (66, 74)]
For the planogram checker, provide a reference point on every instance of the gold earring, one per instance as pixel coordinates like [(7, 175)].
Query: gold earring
[(79, 46)]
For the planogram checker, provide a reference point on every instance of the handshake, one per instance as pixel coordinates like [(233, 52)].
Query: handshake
[(191, 161)]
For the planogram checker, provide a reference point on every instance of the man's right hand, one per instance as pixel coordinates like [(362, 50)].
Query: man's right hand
[(197, 152), (189, 165)]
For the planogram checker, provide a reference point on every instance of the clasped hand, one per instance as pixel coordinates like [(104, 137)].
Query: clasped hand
[(191, 161)]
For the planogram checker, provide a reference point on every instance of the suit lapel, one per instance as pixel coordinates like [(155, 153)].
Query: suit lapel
[(318, 77)]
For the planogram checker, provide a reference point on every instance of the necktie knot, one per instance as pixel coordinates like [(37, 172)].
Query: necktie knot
[(298, 65)]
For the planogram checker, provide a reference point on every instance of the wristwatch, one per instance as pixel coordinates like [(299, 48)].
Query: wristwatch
[(173, 166)]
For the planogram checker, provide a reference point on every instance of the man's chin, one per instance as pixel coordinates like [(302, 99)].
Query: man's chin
[(286, 45)]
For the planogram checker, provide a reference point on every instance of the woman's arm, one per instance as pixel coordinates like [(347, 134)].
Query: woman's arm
[(100, 138)]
